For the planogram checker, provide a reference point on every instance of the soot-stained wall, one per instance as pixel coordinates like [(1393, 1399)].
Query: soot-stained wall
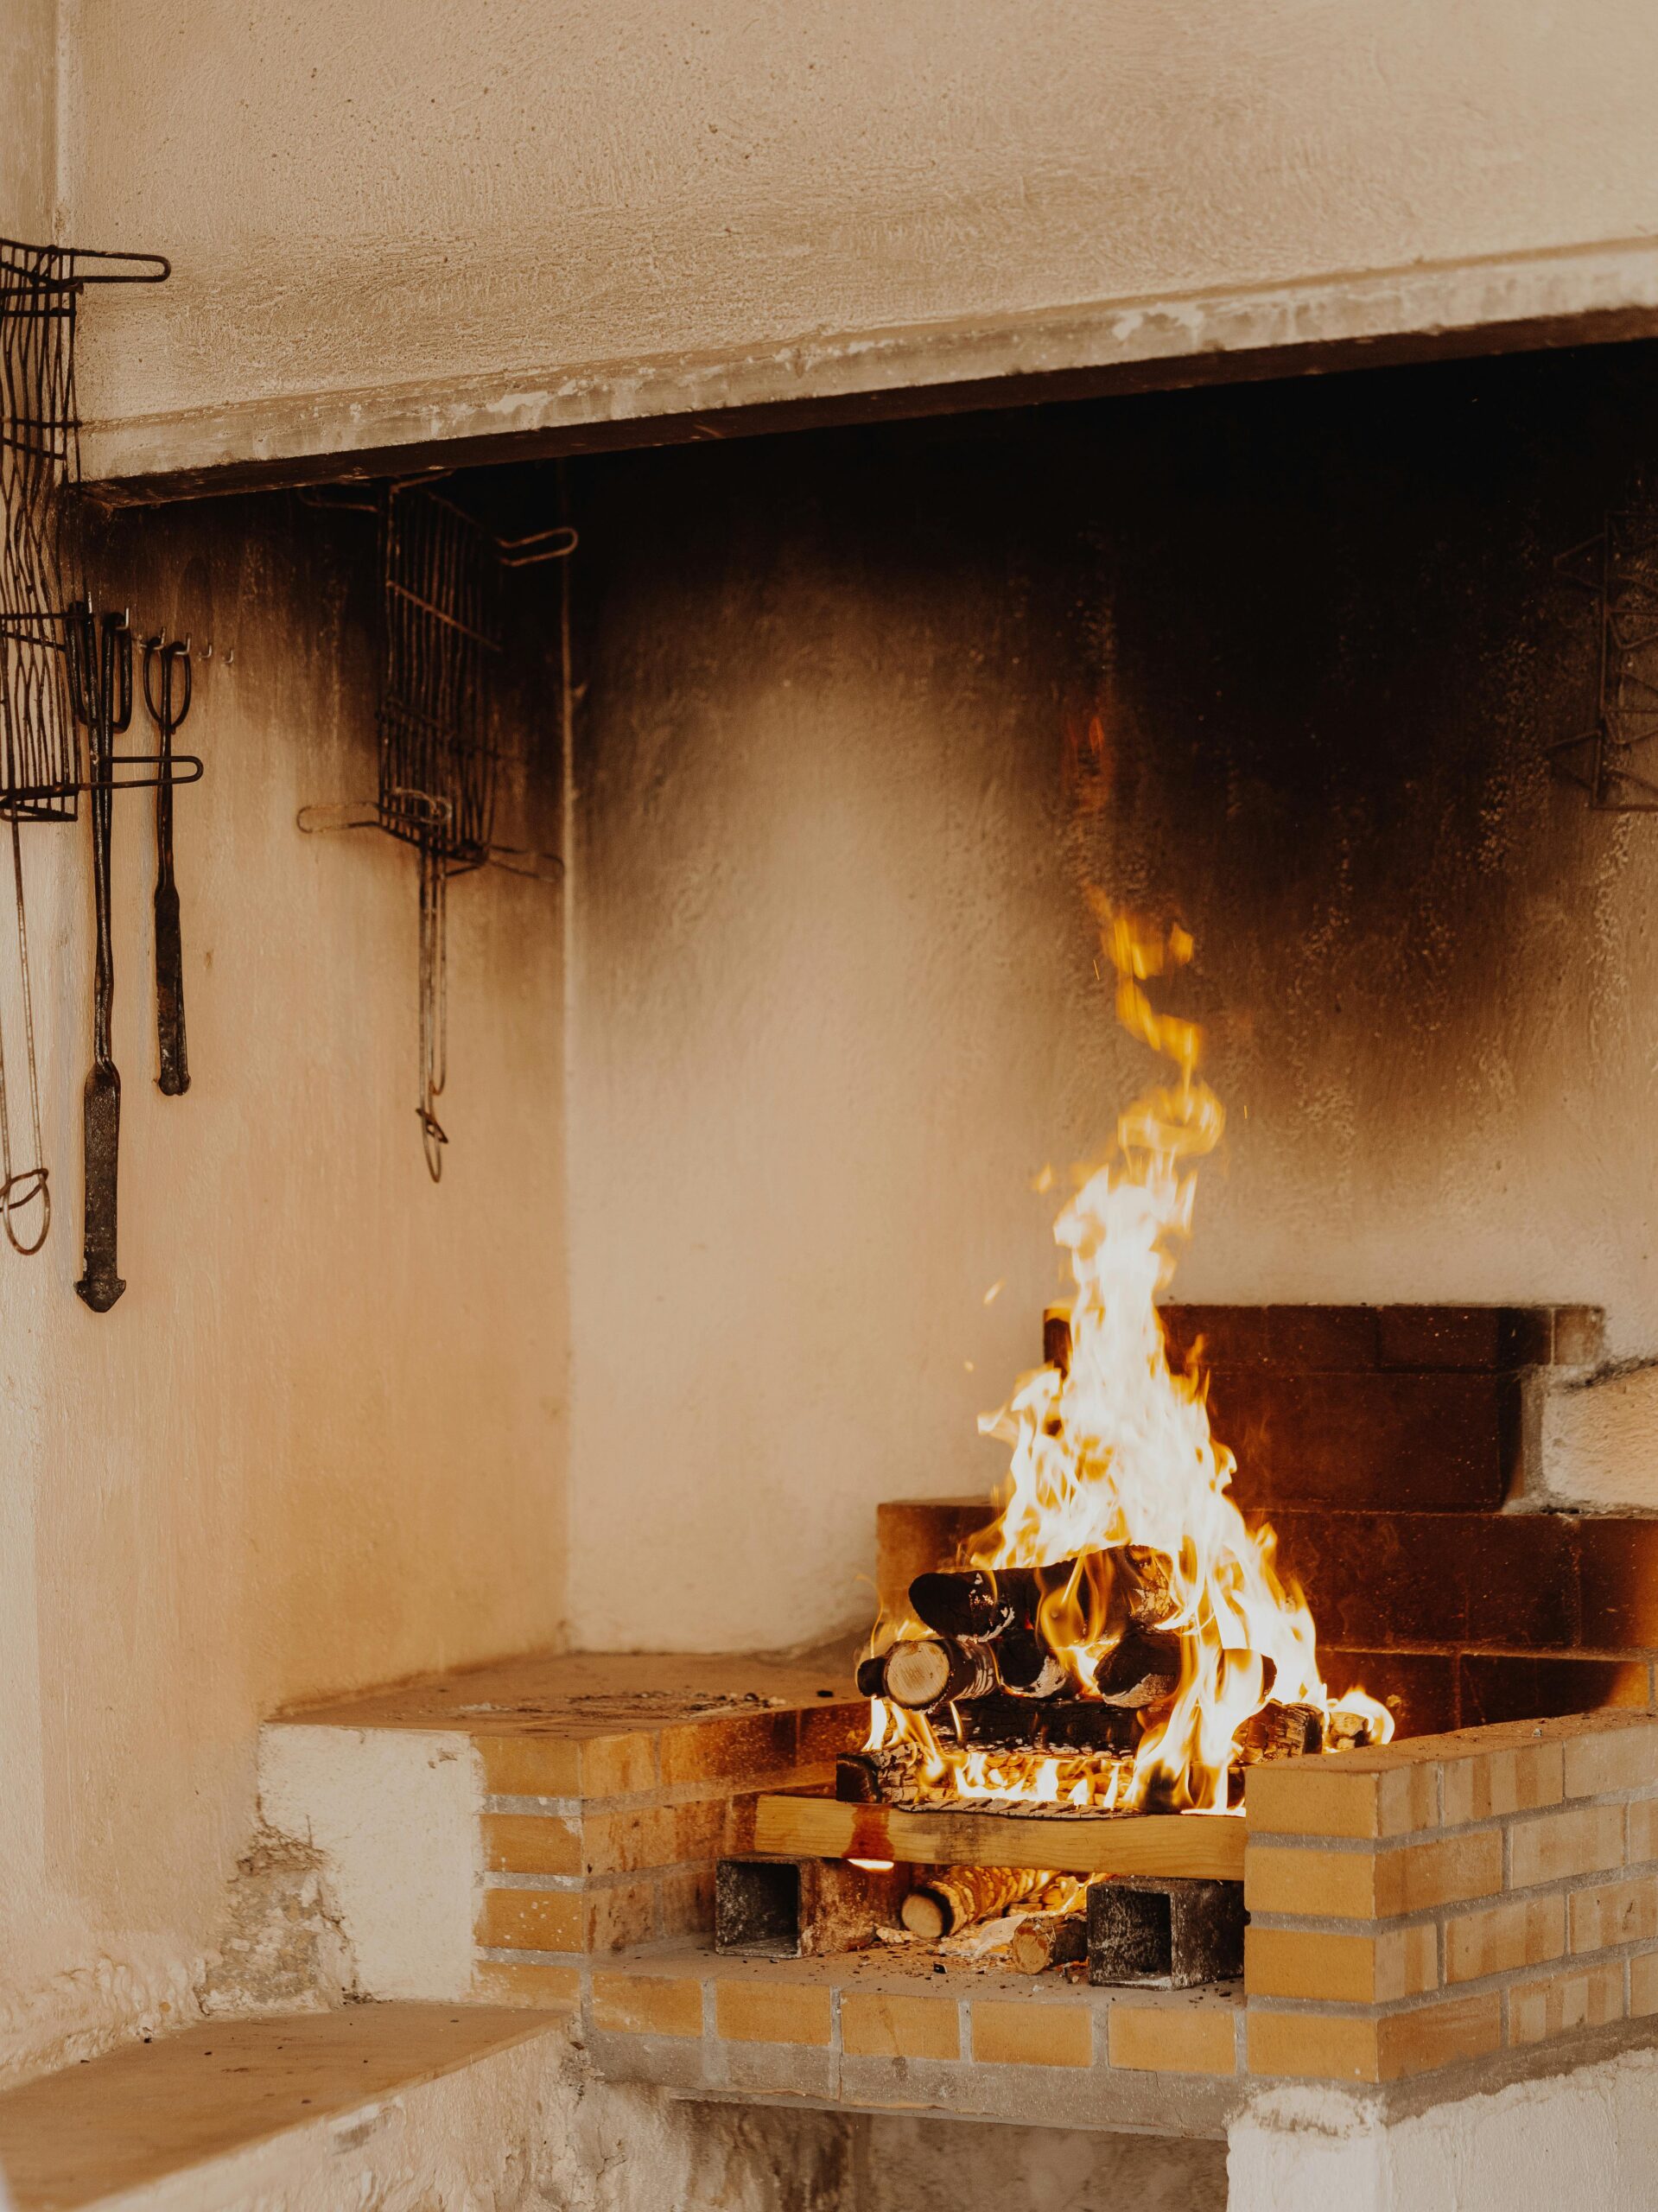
[(318, 1442), (864, 715)]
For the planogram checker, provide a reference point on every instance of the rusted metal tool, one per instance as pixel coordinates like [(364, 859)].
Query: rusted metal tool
[(101, 669), (167, 694)]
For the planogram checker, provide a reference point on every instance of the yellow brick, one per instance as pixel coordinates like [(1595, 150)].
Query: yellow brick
[(1354, 1969), (1644, 1985), (643, 2005), (529, 1766), (877, 2026), (1619, 1758), (530, 1984), (1378, 1884), (616, 1766), (1423, 1875), (1033, 2034), (526, 1843), (1586, 1840), (1319, 1885), (564, 1766), (1525, 1932), (1345, 2047), (1614, 1913), (772, 2012), (1541, 2009), (1438, 2035), (1174, 2039), (530, 1920), (1514, 1781), (1643, 1831), (1317, 2046), (1326, 1796), (622, 1843), (685, 1895), (619, 1915)]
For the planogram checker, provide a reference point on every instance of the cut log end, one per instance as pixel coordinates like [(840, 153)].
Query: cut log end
[(1049, 1939)]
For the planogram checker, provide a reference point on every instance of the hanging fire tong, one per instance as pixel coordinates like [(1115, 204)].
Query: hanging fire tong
[(167, 694), (100, 666)]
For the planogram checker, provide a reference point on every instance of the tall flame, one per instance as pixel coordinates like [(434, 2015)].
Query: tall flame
[(1116, 1449)]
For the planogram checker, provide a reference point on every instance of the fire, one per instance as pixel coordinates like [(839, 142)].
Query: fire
[(1111, 1449)]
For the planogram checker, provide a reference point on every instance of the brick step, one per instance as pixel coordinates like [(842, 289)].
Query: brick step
[(284, 2111), (1429, 1408)]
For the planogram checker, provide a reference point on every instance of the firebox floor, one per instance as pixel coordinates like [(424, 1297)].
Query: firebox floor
[(907, 2030)]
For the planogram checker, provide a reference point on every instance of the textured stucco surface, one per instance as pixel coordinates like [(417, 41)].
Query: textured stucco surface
[(865, 715), (1589, 2137), (526, 202), (318, 1442), (393, 1815)]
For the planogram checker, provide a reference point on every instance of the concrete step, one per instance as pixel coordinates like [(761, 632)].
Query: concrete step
[(309, 2111)]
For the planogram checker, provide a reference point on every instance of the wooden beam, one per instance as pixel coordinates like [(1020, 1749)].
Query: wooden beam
[(1207, 1845)]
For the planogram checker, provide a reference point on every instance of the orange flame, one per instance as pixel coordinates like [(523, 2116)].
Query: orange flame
[(1117, 1451)]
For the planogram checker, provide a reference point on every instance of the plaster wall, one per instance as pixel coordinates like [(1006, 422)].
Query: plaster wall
[(487, 218), (318, 1443), (865, 715), (1586, 2137)]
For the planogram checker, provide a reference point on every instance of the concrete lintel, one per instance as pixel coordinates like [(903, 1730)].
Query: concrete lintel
[(1578, 295), (1531, 2138)]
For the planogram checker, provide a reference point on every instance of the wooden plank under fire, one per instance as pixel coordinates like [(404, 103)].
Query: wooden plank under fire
[(1206, 1844)]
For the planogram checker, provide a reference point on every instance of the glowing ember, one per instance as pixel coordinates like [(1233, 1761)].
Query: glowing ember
[(1112, 1449)]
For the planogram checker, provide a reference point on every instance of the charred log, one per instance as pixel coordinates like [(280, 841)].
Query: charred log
[(1143, 1669), (1060, 1724), (1056, 1337), (1278, 1732), (874, 1778)]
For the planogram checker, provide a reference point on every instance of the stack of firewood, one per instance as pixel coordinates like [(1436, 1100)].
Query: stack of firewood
[(986, 1678)]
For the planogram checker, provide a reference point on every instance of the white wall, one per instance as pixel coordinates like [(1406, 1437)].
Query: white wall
[(1579, 2139), (318, 1444), (480, 219)]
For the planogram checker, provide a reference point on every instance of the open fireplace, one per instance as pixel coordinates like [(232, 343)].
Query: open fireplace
[(982, 1449)]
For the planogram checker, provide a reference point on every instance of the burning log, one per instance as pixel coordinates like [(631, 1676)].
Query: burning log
[(1280, 1731), (1056, 1725), (1143, 1669), (978, 1604), (984, 1603), (1056, 1337), (875, 1777), (938, 1670), (1049, 1939), (958, 1896)]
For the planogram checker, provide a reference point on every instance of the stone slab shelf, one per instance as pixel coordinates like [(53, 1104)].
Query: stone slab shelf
[(354, 2107)]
